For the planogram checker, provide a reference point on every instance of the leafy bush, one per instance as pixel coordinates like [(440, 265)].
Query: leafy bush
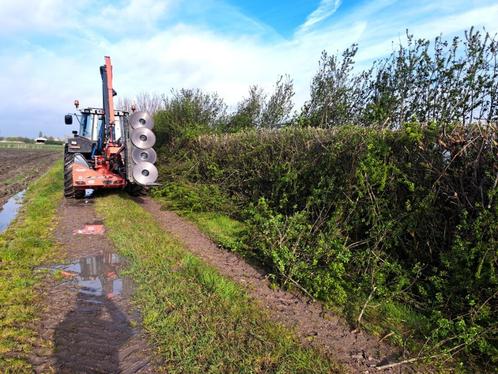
[(190, 197), (410, 214), (295, 248)]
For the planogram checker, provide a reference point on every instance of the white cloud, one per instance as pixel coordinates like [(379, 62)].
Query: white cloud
[(40, 79), (324, 10), (41, 16), (134, 17)]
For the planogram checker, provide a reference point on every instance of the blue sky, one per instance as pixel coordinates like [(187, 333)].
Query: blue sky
[(50, 50)]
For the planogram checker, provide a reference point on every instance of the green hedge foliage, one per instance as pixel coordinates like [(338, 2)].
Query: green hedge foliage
[(409, 216)]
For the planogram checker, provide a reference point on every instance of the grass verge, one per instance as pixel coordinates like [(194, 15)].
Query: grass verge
[(199, 321), (221, 228), (381, 317), (27, 243), (206, 206)]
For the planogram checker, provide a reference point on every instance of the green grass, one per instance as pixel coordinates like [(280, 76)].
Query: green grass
[(199, 321), (206, 206), (222, 229), (26, 244)]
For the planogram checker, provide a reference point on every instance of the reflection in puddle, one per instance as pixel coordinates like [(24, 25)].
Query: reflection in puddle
[(9, 210), (97, 275)]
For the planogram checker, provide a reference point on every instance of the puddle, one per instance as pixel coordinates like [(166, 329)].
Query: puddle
[(97, 275), (10, 209)]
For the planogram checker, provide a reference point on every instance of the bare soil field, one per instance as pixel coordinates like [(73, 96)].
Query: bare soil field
[(18, 167)]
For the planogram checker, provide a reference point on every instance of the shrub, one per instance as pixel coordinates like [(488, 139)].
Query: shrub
[(410, 213)]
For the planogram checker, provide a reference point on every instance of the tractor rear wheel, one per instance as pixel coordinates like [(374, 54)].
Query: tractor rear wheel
[(69, 190)]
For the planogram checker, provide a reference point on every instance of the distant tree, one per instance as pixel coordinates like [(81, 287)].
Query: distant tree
[(143, 102), (249, 110), (278, 108), (440, 81), (333, 100), (149, 102), (258, 110), (19, 139), (188, 112)]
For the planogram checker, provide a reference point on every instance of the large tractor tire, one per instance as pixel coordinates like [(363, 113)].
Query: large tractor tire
[(69, 190)]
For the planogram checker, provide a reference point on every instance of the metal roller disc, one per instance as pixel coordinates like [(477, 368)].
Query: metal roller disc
[(143, 138), (141, 119), (141, 155), (144, 173)]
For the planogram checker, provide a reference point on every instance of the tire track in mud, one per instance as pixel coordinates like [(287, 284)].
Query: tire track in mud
[(315, 325), (87, 324)]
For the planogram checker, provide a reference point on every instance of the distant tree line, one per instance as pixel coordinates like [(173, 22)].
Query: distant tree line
[(16, 139), (23, 139)]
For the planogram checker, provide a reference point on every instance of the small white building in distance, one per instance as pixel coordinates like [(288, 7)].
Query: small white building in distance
[(40, 140)]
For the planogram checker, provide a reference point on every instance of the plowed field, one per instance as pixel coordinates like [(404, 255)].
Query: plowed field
[(19, 166)]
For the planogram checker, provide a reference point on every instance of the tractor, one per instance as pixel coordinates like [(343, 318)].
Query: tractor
[(112, 149)]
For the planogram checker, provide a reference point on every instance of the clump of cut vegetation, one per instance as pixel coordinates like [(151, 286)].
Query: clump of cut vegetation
[(200, 321), (24, 246)]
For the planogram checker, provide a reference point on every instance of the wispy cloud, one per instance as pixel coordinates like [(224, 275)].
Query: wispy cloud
[(52, 53), (324, 11)]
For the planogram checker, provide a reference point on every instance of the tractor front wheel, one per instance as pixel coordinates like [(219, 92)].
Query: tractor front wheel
[(69, 190)]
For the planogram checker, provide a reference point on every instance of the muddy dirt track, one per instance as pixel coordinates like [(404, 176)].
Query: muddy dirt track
[(87, 325), (20, 166)]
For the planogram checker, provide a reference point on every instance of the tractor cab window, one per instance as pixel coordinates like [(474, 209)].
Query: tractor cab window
[(91, 126), (98, 126), (86, 125)]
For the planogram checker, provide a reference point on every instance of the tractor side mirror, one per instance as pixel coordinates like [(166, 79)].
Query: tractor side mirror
[(68, 119)]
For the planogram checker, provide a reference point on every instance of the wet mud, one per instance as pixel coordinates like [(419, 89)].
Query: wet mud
[(88, 324)]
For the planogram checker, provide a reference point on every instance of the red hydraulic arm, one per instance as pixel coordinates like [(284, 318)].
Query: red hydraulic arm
[(108, 95)]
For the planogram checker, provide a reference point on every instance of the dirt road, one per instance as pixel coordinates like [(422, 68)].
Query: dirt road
[(87, 325), (18, 167)]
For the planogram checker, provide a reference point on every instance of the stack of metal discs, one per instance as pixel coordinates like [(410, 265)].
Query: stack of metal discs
[(143, 139)]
